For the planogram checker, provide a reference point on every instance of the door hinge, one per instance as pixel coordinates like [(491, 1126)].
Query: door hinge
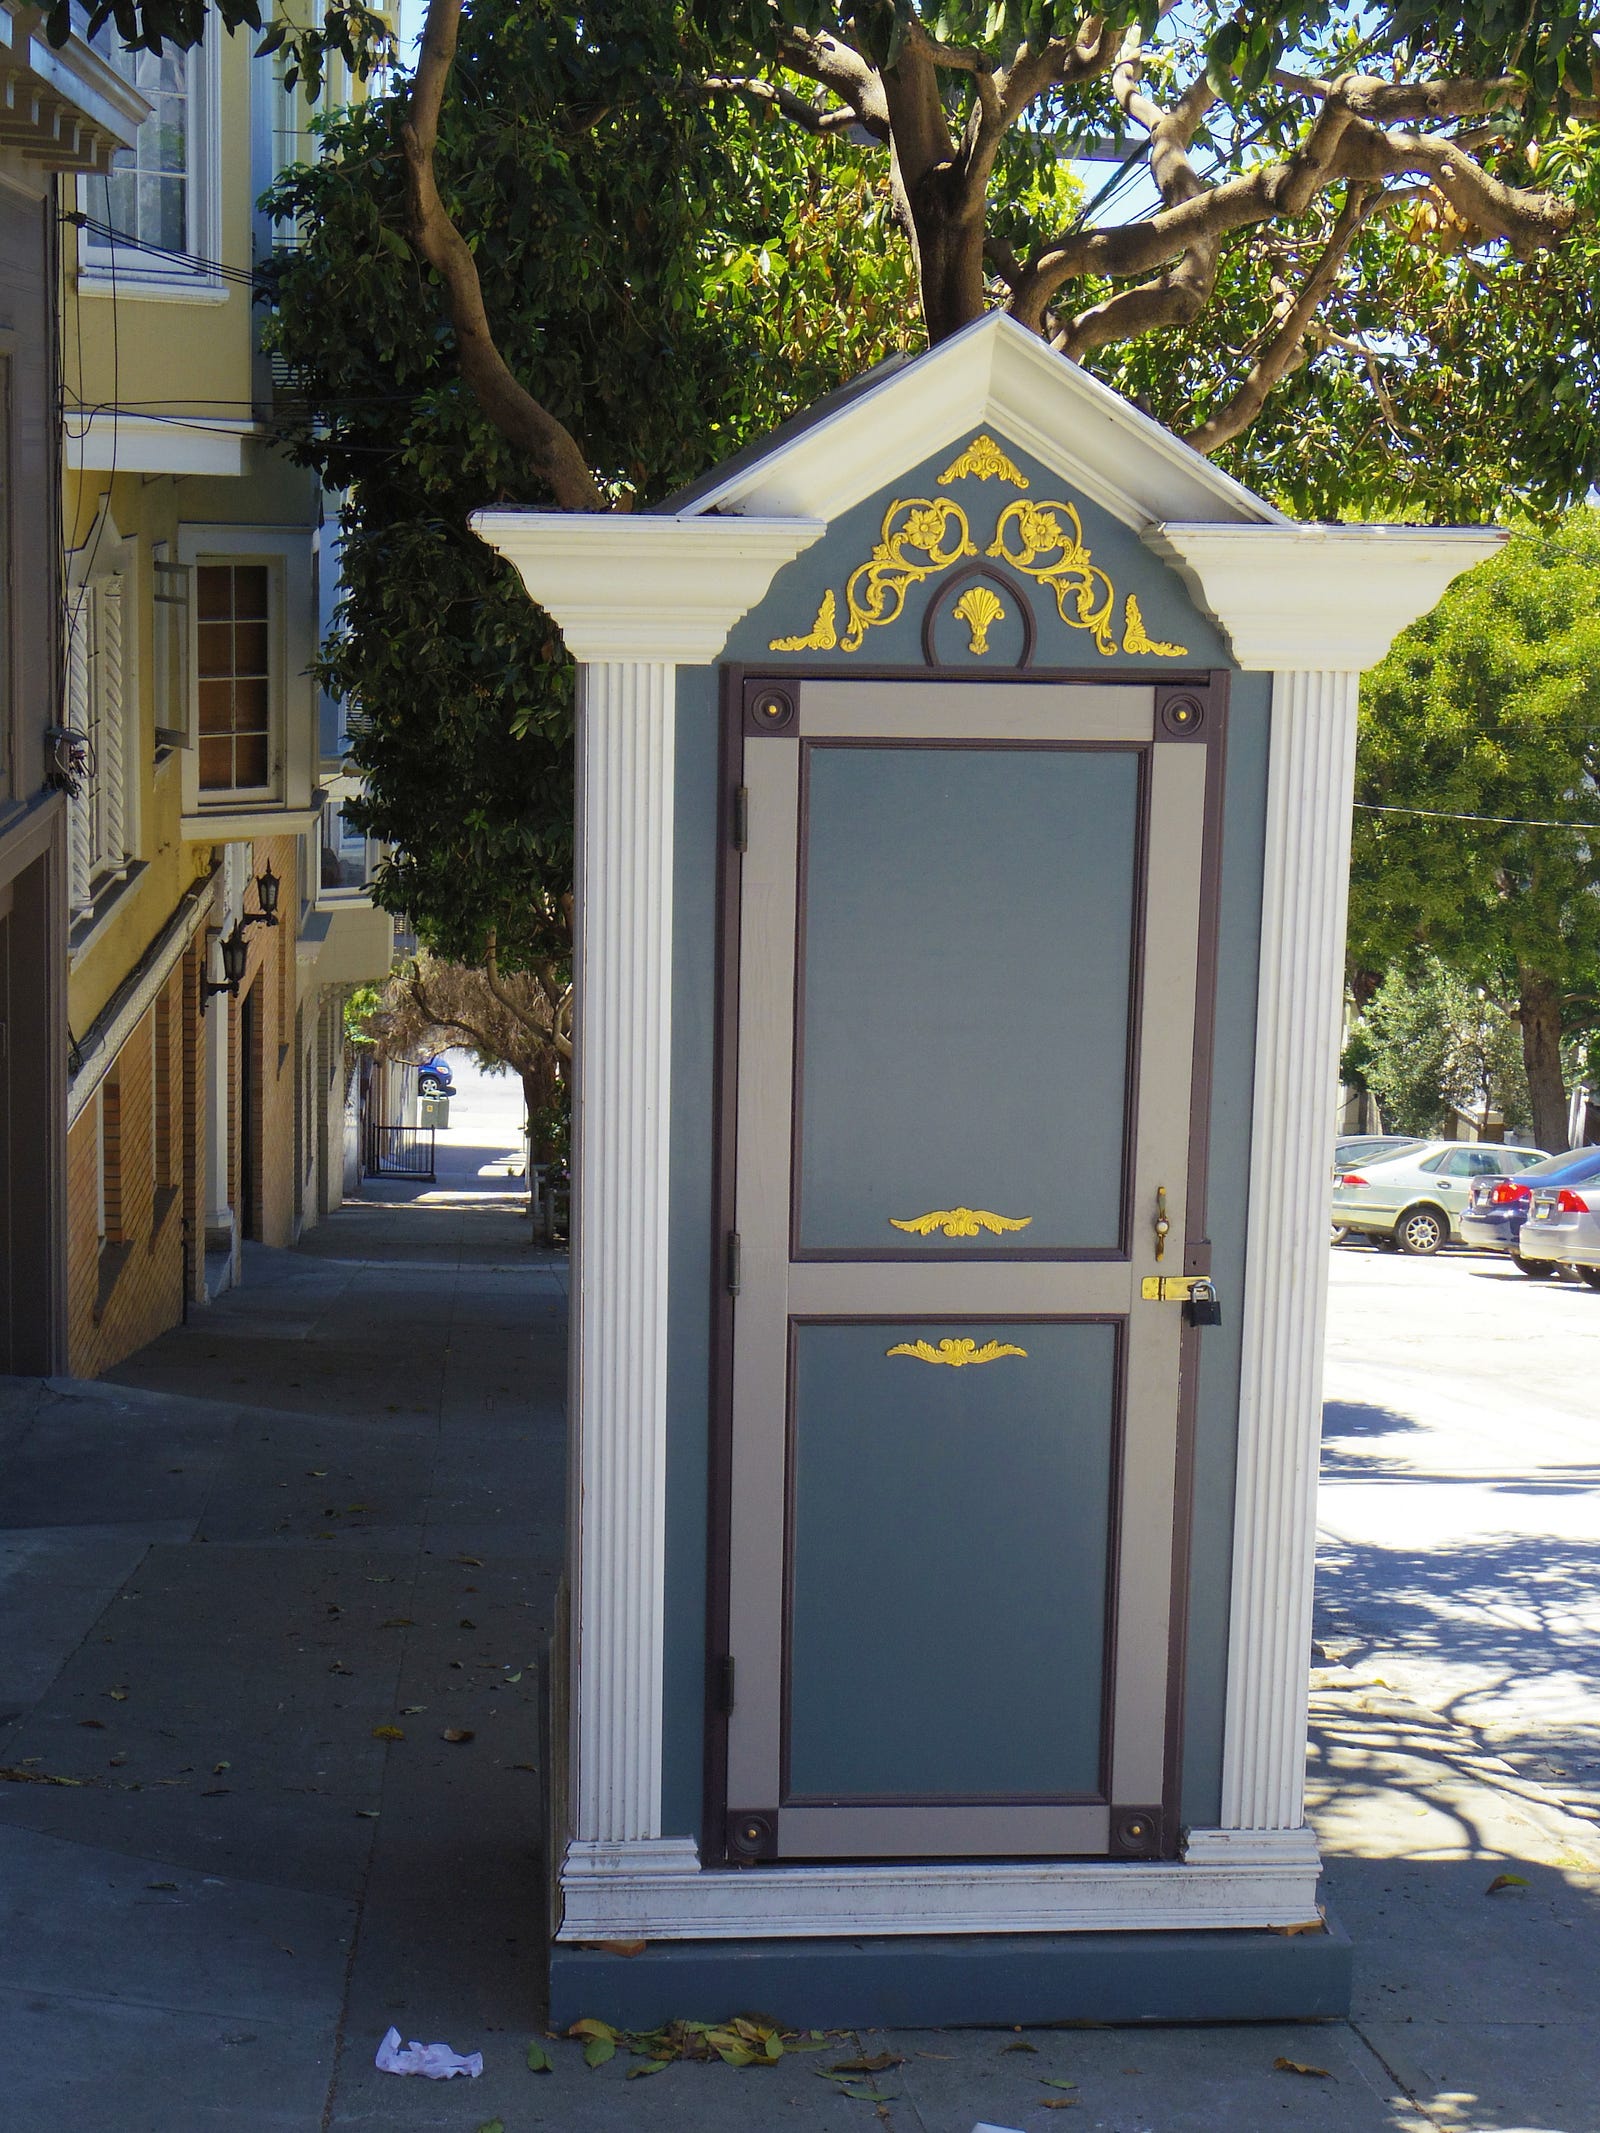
[(725, 1685), (731, 1263), (741, 818)]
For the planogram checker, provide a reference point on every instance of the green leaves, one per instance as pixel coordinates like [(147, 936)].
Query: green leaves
[(539, 2059)]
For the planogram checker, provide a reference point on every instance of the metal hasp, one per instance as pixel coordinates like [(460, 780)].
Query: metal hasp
[(1197, 1294)]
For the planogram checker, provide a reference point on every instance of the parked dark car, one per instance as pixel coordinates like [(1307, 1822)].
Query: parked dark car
[(1496, 1208), (434, 1077)]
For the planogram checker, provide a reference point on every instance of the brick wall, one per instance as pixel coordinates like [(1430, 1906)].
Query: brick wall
[(128, 1156)]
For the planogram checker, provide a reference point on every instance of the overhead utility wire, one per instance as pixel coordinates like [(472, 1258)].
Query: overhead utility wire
[(1435, 814), (115, 237)]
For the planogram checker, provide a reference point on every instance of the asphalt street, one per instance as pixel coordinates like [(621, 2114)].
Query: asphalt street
[(1460, 1501)]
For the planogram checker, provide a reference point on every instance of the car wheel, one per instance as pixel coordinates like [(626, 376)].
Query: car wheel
[(1535, 1269), (1340, 1232), (1421, 1231), (1590, 1274)]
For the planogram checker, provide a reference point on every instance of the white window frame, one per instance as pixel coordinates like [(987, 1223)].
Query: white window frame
[(103, 707), (291, 696), (125, 270)]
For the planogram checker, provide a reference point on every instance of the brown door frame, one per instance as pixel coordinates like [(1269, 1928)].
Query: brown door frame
[(1190, 706)]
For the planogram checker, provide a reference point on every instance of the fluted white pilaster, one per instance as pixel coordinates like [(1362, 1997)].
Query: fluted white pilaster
[(621, 1114), (1310, 781)]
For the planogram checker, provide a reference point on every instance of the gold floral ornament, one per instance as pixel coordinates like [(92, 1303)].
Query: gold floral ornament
[(984, 459), (918, 539), (1135, 638), (956, 1353), (979, 609), (1047, 550), (822, 635), (960, 1222)]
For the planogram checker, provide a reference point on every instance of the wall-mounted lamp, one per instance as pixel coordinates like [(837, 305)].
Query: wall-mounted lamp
[(267, 890), (235, 954)]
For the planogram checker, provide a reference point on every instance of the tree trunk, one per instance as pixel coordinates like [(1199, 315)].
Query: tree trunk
[(949, 247), (1539, 1012)]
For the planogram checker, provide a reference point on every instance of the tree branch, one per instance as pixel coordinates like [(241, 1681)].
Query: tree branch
[(826, 121), (545, 1031), (548, 446), (1284, 351)]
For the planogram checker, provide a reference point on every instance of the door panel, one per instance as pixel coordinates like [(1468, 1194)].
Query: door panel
[(999, 1478), (996, 969), (966, 1011)]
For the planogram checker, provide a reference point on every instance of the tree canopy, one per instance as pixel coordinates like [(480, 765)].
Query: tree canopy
[(681, 273), (1478, 796), (1430, 1043)]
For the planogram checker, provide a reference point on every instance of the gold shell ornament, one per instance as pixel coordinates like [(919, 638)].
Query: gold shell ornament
[(959, 1222), (984, 459), (979, 609), (957, 1354)]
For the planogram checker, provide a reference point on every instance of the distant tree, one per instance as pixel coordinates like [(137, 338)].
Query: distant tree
[(1432, 1043), (1481, 730), (519, 1019)]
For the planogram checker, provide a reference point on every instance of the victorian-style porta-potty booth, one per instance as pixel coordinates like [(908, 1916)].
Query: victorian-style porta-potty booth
[(964, 788)]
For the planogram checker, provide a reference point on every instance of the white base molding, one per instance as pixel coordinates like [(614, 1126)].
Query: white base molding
[(657, 1890)]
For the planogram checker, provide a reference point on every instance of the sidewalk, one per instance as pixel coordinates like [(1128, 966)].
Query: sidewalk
[(332, 1504)]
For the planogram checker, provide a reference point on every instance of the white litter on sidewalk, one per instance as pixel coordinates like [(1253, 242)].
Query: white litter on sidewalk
[(437, 2061)]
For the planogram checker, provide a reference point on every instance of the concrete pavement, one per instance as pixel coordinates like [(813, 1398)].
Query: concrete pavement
[(332, 1505)]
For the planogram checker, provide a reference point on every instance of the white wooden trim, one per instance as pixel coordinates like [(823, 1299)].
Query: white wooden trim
[(132, 1002), (1318, 596), (620, 1242), (140, 444), (1309, 786), (658, 1891), (646, 588), (992, 374)]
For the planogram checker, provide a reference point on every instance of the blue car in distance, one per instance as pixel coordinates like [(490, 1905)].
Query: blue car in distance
[(1496, 1208)]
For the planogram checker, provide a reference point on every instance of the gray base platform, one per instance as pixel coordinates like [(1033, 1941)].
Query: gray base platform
[(951, 1981)]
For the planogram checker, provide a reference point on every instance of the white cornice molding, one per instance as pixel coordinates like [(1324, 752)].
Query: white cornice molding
[(623, 587), (62, 107), (1329, 597), (992, 373)]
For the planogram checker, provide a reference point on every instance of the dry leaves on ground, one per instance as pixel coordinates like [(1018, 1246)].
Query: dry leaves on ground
[(1507, 1881), (1298, 2066), (458, 1735), (740, 2042)]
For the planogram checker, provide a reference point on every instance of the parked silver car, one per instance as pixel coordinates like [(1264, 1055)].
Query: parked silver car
[(1415, 1197), (1563, 1225)]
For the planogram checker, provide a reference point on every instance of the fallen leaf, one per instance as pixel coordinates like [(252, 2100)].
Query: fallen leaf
[(458, 1734), (1047, 2081), (468, 1562), (316, 1473), (527, 1766), (410, 1710), (517, 1676), (864, 2065), (1506, 1881), (493, 2125), (98, 1724), (117, 1695), (650, 2066), (1298, 2066), (366, 1814), (1059, 2103), (15, 1776), (217, 1792), (465, 1624), (1018, 2047), (388, 1733), (598, 2050), (218, 1768), (592, 2026), (336, 1668), (621, 1947), (858, 2094), (539, 2060)]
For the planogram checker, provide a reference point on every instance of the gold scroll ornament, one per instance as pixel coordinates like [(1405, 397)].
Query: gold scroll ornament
[(979, 609), (920, 537), (956, 1353), (959, 1222), (984, 459)]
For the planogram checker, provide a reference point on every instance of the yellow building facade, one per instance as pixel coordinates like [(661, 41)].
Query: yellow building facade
[(205, 845)]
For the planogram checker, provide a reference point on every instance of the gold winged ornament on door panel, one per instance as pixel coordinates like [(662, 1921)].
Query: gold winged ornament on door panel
[(959, 1222), (956, 1353)]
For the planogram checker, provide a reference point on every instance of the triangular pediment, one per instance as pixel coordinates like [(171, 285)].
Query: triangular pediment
[(993, 375)]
